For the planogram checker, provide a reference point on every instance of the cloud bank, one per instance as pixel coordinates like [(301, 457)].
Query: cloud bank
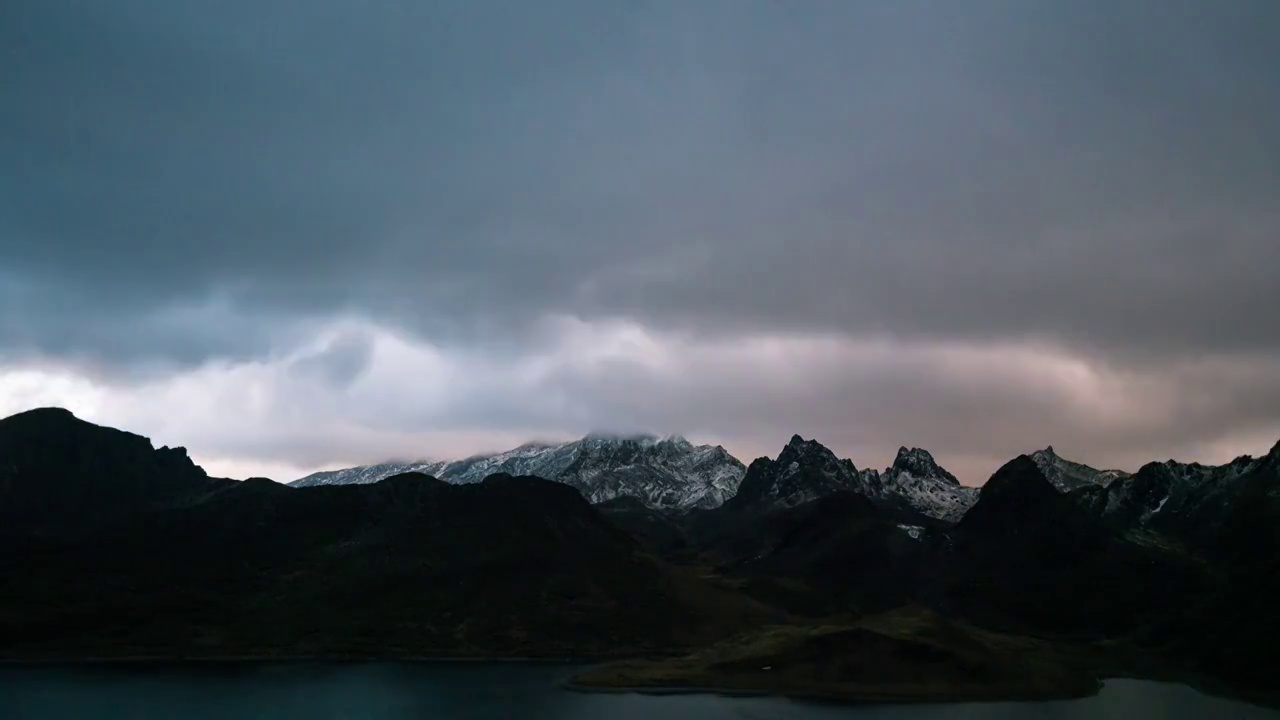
[(297, 234)]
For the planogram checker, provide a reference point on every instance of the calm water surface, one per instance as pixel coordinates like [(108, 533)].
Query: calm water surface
[(496, 692)]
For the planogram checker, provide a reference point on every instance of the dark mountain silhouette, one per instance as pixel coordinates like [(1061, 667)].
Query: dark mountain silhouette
[(1026, 556), (1231, 631), (62, 476), (838, 553), (409, 565), (804, 470), (114, 548)]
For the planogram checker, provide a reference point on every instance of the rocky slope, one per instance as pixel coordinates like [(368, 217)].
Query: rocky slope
[(915, 481), (1026, 556), (661, 472), (1066, 475), (1189, 502), (806, 469)]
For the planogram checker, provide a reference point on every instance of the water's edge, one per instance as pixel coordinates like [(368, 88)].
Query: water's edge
[(1196, 682)]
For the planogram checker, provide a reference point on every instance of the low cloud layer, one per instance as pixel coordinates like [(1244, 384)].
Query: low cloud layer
[(298, 234), (359, 395)]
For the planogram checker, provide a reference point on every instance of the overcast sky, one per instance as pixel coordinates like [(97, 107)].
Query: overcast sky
[(295, 235)]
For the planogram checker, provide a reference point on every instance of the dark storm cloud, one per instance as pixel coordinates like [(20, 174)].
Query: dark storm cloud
[(310, 231), (339, 362), (1096, 173)]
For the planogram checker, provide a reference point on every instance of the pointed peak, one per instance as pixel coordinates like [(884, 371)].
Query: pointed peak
[(799, 447), (1275, 451), (1020, 474), (907, 455), (1047, 456), (919, 462)]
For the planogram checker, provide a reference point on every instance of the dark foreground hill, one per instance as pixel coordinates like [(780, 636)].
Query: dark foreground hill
[(1027, 557), (112, 548), (907, 655), (60, 476), (408, 566)]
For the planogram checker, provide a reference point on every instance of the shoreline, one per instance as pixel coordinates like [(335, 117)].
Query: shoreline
[(872, 697), (834, 696)]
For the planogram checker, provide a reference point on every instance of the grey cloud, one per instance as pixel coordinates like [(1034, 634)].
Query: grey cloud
[(973, 412), (972, 406), (340, 362), (1103, 174), (184, 184)]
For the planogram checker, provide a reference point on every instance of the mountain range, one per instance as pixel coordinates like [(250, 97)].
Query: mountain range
[(672, 473), (849, 583)]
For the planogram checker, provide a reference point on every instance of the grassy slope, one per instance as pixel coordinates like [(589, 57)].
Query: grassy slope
[(907, 655)]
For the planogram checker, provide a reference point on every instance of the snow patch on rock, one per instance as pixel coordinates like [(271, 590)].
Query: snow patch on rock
[(662, 472)]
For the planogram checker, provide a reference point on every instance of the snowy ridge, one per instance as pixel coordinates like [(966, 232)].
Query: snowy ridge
[(1066, 475), (1163, 495), (367, 474), (662, 472), (672, 473), (918, 481)]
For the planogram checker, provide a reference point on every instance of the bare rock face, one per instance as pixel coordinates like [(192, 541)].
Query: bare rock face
[(661, 472), (1066, 475), (806, 470)]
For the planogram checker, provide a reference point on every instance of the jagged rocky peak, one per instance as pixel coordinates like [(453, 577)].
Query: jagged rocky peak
[(806, 469), (1044, 457), (807, 451), (1066, 475), (803, 471), (917, 481), (920, 463)]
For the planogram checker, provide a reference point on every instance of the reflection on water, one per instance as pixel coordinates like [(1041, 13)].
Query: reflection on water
[(496, 691)]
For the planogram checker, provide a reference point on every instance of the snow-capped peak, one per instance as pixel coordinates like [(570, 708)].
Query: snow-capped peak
[(916, 480), (661, 471), (1066, 475)]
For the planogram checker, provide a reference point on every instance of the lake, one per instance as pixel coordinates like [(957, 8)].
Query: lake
[(495, 691)]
